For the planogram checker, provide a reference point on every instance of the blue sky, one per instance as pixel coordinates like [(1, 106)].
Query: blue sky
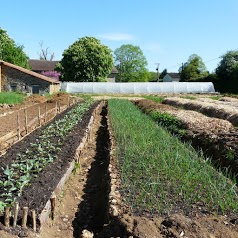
[(167, 31)]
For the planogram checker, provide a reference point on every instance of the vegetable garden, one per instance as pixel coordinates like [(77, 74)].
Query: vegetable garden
[(152, 173)]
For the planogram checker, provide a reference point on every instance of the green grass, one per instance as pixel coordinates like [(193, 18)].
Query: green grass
[(189, 97), (217, 97), (158, 172), (154, 98), (11, 98)]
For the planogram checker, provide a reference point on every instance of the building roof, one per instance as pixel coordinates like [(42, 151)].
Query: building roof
[(47, 65), (42, 65), (174, 75), (26, 71), (114, 70)]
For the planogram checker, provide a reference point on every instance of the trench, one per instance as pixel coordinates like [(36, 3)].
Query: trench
[(93, 211)]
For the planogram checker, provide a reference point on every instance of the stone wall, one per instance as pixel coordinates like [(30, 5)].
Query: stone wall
[(15, 80)]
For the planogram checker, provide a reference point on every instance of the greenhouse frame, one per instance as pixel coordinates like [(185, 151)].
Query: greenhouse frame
[(137, 87)]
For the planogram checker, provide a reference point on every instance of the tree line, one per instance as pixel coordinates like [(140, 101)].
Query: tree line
[(88, 60)]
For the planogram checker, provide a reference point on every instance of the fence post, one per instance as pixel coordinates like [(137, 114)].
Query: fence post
[(39, 122), (26, 121), (18, 126)]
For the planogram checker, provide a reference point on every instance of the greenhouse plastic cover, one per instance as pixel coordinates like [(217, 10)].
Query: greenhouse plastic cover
[(138, 87)]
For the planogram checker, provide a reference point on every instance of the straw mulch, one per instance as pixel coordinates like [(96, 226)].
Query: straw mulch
[(210, 108)]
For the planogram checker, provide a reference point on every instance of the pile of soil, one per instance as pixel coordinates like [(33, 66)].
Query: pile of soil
[(64, 98), (35, 98)]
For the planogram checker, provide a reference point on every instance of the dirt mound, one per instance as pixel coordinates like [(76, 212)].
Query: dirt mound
[(62, 98), (36, 98)]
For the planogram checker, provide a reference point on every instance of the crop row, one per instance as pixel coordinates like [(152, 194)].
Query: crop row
[(160, 173), (42, 152)]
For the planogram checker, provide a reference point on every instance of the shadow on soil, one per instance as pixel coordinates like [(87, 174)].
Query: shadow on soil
[(93, 211)]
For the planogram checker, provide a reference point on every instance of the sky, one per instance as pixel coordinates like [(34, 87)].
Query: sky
[(167, 31)]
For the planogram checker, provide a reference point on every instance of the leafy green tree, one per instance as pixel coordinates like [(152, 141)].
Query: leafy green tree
[(11, 52), (86, 60), (194, 69), (227, 72), (131, 64), (153, 77)]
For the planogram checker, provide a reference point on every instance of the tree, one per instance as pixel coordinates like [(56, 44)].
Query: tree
[(11, 52), (227, 72), (194, 69), (86, 60), (45, 54), (153, 77), (131, 64), (164, 72)]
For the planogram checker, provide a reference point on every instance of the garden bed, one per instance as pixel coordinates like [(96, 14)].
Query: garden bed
[(225, 111), (216, 137), (47, 180)]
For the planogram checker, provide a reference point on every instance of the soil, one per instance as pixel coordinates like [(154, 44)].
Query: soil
[(83, 209)]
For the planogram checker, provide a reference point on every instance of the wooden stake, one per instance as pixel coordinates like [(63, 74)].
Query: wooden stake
[(18, 126), (33, 215), (26, 121), (52, 200), (24, 218), (7, 216), (59, 107), (39, 122), (45, 114), (56, 108), (16, 209), (68, 101)]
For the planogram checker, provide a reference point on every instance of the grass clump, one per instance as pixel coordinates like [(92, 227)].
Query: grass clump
[(159, 173), (189, 97), (11, 98), (217, 97), (154, 98), (168, 121)]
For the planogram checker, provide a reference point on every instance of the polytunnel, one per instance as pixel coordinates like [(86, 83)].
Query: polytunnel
[(138, 87)]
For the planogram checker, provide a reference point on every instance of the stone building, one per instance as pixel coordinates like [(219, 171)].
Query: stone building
[(16, 78)]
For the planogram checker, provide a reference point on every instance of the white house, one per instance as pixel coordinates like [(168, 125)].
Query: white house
[(171, 77)]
